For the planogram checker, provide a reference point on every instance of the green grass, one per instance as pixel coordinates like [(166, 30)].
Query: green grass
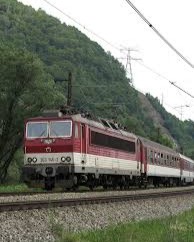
[(172, 229), (14, 188)]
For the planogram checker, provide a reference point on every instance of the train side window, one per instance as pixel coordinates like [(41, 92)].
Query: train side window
[(151, 156), (76, 134), (155, 158), (167, 160), (178, 162), (112, 142), (158, 158), (162, 158), (170, 160), (148, 155)]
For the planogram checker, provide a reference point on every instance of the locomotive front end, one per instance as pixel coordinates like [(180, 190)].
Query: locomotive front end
[(48, 153)]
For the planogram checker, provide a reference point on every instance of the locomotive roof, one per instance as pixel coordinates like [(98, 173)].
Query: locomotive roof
[(186, 158), (156, 145), (93, 123), (100, 125)]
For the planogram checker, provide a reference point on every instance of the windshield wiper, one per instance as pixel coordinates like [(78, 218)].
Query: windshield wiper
[(57, 135), (43, 132)]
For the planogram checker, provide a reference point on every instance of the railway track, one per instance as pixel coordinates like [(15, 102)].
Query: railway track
[(29, 193), (7, 194), (27, 205)]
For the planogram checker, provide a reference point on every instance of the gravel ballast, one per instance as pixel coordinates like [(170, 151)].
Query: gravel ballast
[(36, 225)]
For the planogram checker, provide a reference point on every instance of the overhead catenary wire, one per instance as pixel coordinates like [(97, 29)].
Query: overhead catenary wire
[(119, 49), (182, 89), (83, 26), (159, 34), (163, 77)]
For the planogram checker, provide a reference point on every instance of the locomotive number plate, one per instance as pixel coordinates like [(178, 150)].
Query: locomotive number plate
[(49, 159)]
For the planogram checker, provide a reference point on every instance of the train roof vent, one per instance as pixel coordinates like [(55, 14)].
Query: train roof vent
[(50, 113), (113, 125), (105, 123)]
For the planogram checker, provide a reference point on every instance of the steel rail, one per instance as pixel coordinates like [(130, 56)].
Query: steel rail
[(29, 193), (27, 205)]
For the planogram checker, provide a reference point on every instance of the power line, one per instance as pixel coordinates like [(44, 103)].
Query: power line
[(173, 83), (153, 71), (115, 47), (159, 34), (181, 89), (83, 26)]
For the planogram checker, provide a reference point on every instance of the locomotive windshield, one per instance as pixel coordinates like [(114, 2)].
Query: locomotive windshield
[(60, 129), (37, 130), (48, 129)]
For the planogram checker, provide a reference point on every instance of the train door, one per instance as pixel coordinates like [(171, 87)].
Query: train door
[(181, 161), (83, 143), (145, 159), (139, 156), (142, 156)]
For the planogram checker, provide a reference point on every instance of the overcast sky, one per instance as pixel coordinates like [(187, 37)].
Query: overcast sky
[(116, 22)]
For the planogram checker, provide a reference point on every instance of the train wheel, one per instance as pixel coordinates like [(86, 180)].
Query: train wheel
[(105, 187), (49, 183), (121, 187), (91, 187), (145, 185), (75, 188)]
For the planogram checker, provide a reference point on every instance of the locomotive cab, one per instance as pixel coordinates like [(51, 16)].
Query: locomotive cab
[(48, 152)]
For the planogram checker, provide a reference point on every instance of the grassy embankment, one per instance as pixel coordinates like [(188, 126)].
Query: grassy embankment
[(15, 188), (172, 229)]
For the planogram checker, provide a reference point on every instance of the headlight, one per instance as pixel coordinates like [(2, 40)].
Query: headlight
[(68, 159), (29, 160), (63, 159), (34, 159)]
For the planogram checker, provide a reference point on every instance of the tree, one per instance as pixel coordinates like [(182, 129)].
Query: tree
[(25, 89)]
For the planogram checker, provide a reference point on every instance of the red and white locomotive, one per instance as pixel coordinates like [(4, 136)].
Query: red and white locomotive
[(73, 150)]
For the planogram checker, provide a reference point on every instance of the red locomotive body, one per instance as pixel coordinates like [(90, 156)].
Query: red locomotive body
[(72, 150)]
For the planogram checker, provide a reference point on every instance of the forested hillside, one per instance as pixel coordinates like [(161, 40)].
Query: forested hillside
[(100, 84), (99, 80), (182, 132)]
